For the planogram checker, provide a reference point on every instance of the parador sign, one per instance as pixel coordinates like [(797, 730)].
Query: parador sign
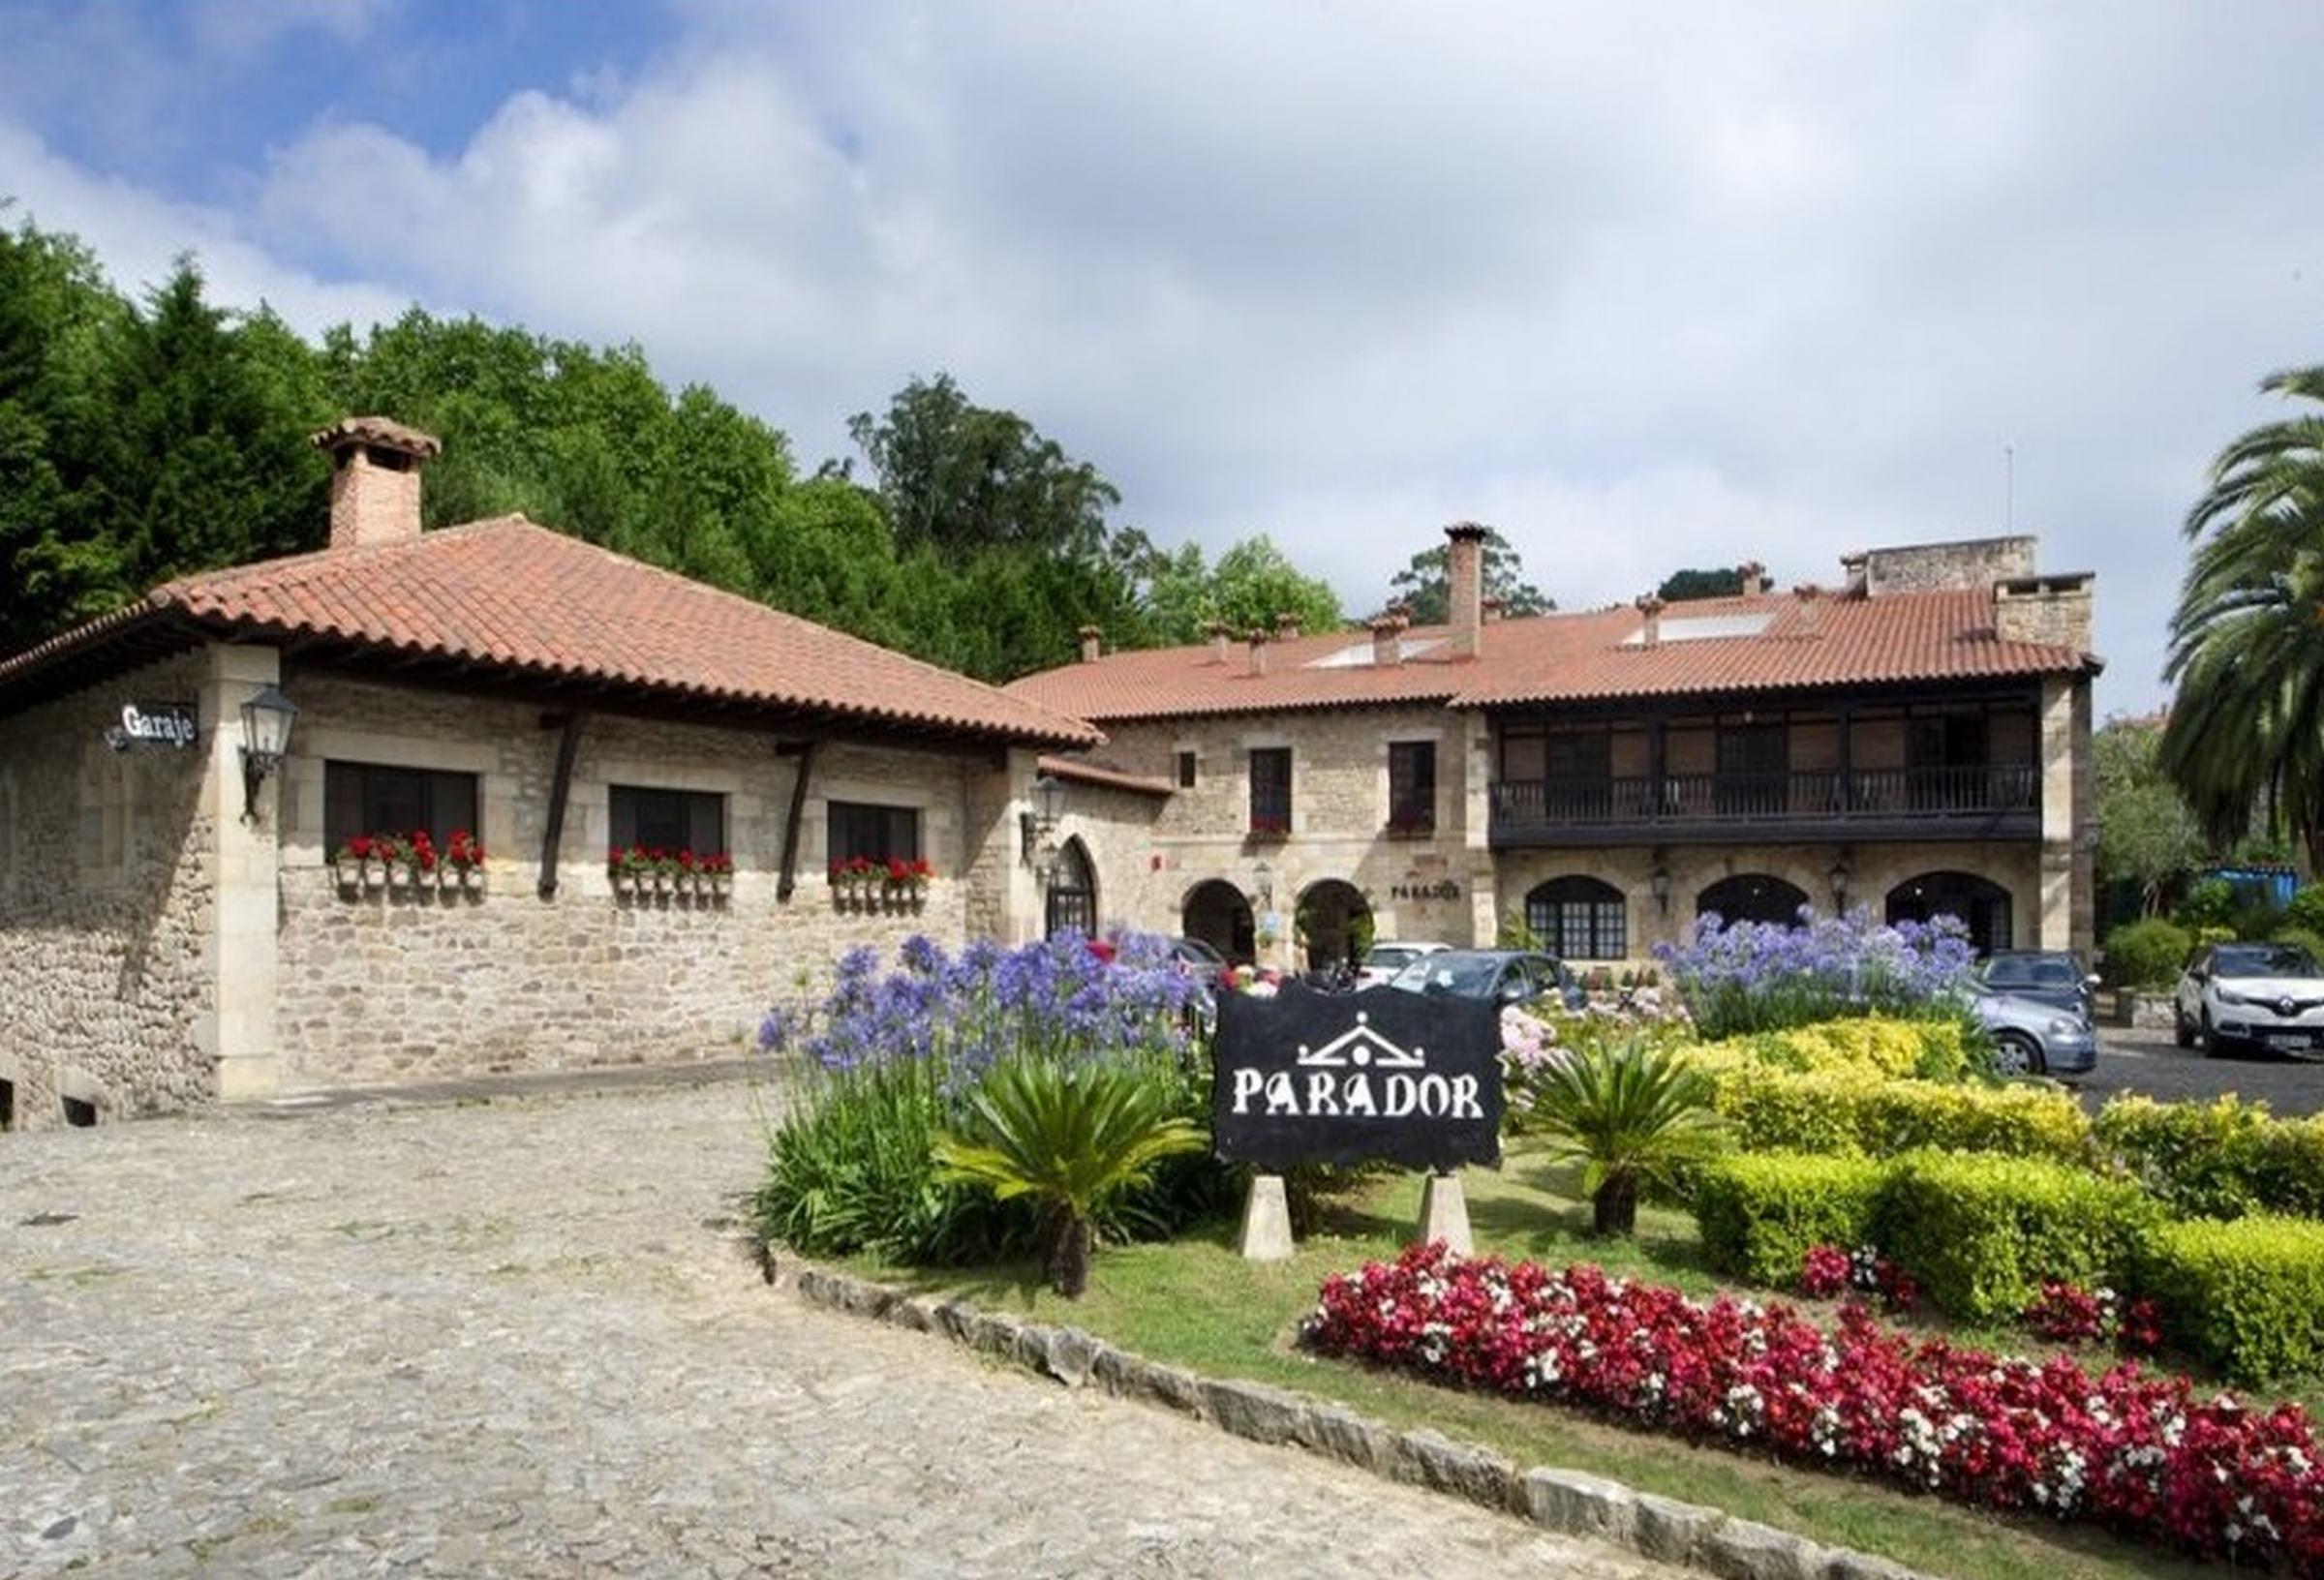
[(1351, 1078)]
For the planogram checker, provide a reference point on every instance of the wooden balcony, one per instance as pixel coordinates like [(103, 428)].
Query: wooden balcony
[(1998, 802)]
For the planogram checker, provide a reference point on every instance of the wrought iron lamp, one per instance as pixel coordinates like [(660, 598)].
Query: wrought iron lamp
[(266, 719)]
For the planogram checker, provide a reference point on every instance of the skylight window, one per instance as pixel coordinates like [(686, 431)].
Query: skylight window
[(1706, 628), (1359, 656)]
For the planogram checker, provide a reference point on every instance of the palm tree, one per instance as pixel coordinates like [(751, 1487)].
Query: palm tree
[(1070, 1139), (1631, 1113), (2246, 729)]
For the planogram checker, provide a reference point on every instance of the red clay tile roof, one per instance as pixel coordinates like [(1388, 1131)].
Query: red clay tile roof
[(509, 594), (1831, 641), (1106, 776)]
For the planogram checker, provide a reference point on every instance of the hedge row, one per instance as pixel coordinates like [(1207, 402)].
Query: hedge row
[(1861, 1114), (2217, 1160), (1980, 1233), (1924, 1049)]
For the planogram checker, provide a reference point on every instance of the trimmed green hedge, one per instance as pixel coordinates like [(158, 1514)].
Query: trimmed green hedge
[(2247, 1297), (2217, 1160), (1759, 1213), (1981, 1232), (1861, 1114)]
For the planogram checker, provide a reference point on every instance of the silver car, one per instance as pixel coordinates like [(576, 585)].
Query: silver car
[(2031, 1038)]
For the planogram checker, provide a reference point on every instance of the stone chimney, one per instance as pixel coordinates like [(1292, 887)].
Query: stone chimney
[(1258, 650), (1093, 643), (2054, 610), (1464, 578), (1810, 604), (1494, 609), (1220, 630), (1388, 642), (1650, 611), (1753, 576), (1287, 626), (375, 479), (1852, 567)]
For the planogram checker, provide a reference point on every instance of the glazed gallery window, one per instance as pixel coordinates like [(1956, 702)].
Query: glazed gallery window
[(373, 797), (1271, 790), (874, 832), (692, 820), (1580, 919)]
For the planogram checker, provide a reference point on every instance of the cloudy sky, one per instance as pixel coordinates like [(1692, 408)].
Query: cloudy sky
[(1646, 286)]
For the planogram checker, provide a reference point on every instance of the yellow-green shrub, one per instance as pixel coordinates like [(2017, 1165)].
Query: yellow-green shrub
[(2247, 1297), (2217, 1160), (1933, 1050), (1980, 1232), (1861, 1114), (1760, 1214)]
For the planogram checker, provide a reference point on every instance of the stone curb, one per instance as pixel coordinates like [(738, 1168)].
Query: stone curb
[(1566, 1502)]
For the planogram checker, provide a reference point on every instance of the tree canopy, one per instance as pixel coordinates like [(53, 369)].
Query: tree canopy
[(1424, 585), (1253, 583), (2147, 836), (1685, 586)]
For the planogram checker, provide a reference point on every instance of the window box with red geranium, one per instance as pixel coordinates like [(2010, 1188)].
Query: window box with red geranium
[(394, 853), (463, 862), (630, 869), (355, 864), (855, 882), (717, 874)]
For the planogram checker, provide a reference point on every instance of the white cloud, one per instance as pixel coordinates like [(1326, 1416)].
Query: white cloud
[(1647, 287)]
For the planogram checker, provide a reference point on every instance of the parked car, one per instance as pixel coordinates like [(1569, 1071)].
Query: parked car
[(2051, 974), (1198, 961), (1503, 976), (2035, 1037), (2251, 995), (1385, 961)]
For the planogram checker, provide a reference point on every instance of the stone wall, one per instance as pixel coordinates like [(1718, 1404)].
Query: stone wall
[(106, 906), (2051, 609), (385, 986), (1914, 567)]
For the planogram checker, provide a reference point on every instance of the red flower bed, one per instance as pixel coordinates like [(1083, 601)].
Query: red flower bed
[(2125, 1449)]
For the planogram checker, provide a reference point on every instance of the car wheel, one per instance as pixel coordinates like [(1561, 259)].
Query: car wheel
[(2180, 1032), (2014, 1053), (2209, 1038)]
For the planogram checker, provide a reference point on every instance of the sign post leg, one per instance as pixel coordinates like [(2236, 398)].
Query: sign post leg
[(1445, 1215), (1265, 1221)]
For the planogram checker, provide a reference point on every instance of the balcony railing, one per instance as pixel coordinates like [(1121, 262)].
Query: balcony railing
[(1869, 794)]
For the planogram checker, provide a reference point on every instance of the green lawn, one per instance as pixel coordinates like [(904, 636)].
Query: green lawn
[(1196, 1303)]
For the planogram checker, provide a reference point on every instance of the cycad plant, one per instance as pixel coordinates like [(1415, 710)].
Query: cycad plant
[(1068, 1138), (1631, 1113)]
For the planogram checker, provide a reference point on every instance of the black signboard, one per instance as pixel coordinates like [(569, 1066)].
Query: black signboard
[(1381, 1076), (173, 724)]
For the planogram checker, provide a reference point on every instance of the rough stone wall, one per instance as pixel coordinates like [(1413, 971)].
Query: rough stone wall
[(386, 985), (1917, 567), (1874, 869), (105, 907), (2050, 610)]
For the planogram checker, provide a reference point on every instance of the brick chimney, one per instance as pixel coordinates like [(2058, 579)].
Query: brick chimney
[(1650, 610), (1754, 577), (1258, 650), (1494, 609), (1287, 626), (375, 479), (1388, 642), (1093, 643), (1464, 577), (1220, 630)]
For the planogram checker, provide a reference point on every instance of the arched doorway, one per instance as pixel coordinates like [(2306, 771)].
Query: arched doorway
[(1217, 913), (1982, 904), (1580, 919), (1753, 897), (1073, 892), (1333, 925)]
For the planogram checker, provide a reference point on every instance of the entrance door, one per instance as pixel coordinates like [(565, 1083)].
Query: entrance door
[(1073, 892), (1217, 914)]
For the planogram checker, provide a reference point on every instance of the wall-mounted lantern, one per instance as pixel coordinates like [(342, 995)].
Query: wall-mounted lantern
[(1658, 883), (266, 719), (1840, 875), (1034, 826), (1262, 885)]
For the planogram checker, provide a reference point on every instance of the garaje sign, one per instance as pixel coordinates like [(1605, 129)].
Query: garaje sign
[(1352, 1078), (173, 724)]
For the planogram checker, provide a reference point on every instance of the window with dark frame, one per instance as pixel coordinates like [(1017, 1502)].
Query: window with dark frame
[(868, 832), (375, 798), (1186, 770), (1580, 919), (1412, 787), (1271, 790), (670, 820)]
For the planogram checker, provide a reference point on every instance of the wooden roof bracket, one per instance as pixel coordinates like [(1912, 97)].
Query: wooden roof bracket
[(560, 786)]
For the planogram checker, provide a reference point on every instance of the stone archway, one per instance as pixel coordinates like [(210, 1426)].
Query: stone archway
[(1335, 925), (1072, 901), (1219, 914), (1982, 904), (1753, 897)]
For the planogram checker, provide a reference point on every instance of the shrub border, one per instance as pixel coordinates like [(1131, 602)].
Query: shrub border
[(1569, 1502)]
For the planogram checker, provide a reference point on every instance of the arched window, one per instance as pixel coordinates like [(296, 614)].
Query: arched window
[(1073, 892), (1217, 913), (1580, 919), (1982, 904), (1753, 897)]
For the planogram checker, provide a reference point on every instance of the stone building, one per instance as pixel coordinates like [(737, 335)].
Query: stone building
[(180, 923), (1916, 740)]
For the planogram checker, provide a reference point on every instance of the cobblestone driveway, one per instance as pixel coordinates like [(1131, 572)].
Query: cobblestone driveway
[(508, 1339)]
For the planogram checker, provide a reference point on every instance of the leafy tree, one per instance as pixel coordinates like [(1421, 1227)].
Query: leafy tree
[(1070, 1137), (2146, 834), (1425, 585), (1251, 585), (1631, 1113), (2247, 728), (1684, 586)]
